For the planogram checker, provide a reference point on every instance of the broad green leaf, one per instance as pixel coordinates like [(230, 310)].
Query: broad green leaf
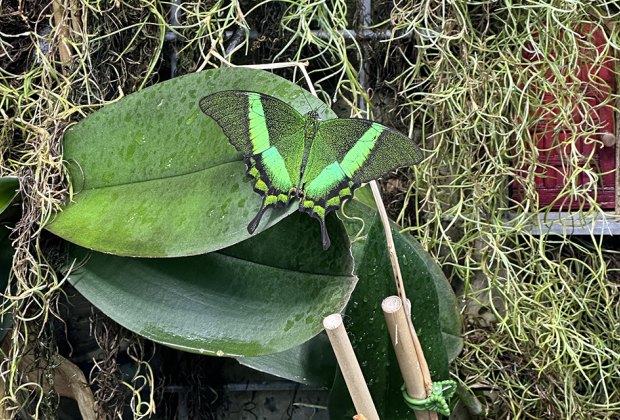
[(8, 191), (365, 197), (435, 315), (302, 361), (156, 177), (264, 295), (312, 363)]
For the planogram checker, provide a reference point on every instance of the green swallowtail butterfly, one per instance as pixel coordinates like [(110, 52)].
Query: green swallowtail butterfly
[(289, 155)]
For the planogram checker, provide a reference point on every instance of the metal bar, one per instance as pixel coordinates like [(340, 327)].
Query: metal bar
[(362, 35), (566, 223)]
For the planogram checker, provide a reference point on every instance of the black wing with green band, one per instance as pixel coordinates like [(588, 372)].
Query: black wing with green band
[(269, 134), (290, 155)]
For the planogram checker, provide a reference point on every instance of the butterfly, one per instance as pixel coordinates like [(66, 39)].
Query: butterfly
[(289, 155)]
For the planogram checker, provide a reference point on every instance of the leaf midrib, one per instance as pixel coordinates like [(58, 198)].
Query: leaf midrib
[(141, 181)]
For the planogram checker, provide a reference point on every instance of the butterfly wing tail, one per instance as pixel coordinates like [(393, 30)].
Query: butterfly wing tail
[(318, 213), (256, 220), (319, 201), (274, 194), (324, 235)]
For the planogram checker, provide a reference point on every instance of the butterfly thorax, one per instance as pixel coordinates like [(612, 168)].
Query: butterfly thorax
[(311, 127)]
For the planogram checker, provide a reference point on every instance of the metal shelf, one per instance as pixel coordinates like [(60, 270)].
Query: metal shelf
[(577, 223)]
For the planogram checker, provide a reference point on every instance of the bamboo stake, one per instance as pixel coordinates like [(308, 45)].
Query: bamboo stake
[(414, 369), (405, 350), (349, 367), (424, 373), (400, 287)]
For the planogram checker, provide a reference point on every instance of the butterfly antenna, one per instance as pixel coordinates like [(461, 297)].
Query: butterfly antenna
[(256, 220), (321, 108), (325, 106), (324, 235), (303, 91)]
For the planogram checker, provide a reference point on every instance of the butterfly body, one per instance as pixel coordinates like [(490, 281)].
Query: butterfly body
[(293, 156)]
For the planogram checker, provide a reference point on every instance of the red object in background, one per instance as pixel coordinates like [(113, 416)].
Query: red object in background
[(596, 78)]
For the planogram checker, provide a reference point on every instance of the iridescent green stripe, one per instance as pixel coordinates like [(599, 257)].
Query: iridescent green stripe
[(259, 135), (329, 177), (276, 169), (355, 158)]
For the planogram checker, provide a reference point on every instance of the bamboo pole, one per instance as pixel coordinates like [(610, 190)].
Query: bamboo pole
[(422, 372), (400, 286), (406, 354), (349, 367), (397, 321)]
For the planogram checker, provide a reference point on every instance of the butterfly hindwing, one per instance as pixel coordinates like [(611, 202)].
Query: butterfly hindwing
[(270, 135), (346, 153)]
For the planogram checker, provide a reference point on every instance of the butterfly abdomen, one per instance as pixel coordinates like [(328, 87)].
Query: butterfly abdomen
[(311, 127)]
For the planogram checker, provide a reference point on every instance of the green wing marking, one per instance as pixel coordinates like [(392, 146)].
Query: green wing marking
[(257, 124), (286, 155), (270, 135), (346, 153)]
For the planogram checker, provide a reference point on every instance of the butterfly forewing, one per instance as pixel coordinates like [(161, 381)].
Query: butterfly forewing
[(364, 149), (346, 153), (270, 135)]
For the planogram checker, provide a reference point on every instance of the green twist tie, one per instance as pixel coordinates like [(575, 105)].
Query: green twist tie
[(437, 401)]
